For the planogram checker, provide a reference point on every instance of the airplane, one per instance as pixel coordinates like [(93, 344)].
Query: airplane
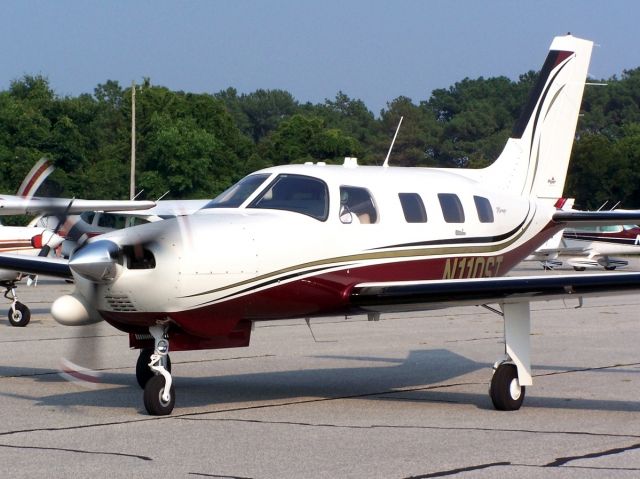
[(589, 247), (38, 240), (316, 240), (23, 240), (600, 243), (94, 223)]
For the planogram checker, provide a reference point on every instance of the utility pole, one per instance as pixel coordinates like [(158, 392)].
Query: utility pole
[(132, 187)]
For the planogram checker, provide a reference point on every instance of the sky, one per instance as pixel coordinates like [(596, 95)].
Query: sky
[(371, 50)]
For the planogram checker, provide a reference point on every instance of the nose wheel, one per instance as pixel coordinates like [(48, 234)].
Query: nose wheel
[(156, 401), (159, 395), (19, 314)]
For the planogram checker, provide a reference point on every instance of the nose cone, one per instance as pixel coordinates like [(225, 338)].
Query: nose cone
[(97, 261)]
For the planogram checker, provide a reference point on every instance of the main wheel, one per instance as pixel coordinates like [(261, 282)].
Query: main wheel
[(579, 268), (20, 316), (610, 268), (506, 392), (143, 371), (153, 402)]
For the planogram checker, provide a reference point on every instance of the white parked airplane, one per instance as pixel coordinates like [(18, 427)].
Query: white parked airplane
[(599, 245), (31, 240), (316, 240), (590, 246), (94, 223)]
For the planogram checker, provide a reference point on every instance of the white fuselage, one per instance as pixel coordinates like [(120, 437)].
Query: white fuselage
[(17, 239), (258, 260)]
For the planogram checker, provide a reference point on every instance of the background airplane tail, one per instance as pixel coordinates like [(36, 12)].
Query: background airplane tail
[(535, 159)]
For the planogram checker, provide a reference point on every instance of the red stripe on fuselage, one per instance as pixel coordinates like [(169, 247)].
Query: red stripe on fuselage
[(324, 294)]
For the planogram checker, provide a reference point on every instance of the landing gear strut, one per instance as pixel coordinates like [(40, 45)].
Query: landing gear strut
[(159, 395), (143, 371), (19, 314), (512, 373)]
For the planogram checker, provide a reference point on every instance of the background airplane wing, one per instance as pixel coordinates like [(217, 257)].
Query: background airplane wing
[(16, 205), (169, 208), (597, 218), (422, 295), (35, 265)]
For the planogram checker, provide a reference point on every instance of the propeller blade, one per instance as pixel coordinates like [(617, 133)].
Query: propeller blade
[(83, 361)]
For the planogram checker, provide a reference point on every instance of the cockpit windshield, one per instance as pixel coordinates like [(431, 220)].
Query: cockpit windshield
[(235, 195)]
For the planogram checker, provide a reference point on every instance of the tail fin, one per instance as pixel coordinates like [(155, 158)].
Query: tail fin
[(35, 178), (535, 159)]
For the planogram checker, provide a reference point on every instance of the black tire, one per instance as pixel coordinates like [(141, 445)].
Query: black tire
[(579, 268), (143, 371), (609, 268), (153, 402), (20, 317), (505, 393)]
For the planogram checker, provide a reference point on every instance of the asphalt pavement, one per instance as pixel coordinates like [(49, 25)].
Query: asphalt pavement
[(402, 397)]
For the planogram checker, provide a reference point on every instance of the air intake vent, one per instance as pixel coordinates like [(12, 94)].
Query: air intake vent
[(120, 303)]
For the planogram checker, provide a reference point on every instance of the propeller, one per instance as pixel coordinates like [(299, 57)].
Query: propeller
[(95, 263)]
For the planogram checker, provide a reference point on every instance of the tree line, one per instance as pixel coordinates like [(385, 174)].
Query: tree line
[(195, 145)]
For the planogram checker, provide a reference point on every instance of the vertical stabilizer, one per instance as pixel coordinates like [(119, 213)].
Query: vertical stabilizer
[(535, 159)]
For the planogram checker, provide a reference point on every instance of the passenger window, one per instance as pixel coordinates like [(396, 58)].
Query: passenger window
[(485, 211), (413, 208), (357, 206), (297, 193), (451, 208)]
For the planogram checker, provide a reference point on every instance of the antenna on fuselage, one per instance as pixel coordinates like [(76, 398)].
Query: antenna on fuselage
[(162, 196), (386, 160)]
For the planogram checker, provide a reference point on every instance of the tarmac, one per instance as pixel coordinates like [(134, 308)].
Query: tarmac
[(403, 397)]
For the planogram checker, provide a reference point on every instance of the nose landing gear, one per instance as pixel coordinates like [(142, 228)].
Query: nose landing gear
[(159, 395), (19, 314)]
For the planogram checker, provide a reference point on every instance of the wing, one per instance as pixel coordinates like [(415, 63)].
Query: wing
[(421, 295), (597, 218), (36, 265), (169, 208), (16, 205)]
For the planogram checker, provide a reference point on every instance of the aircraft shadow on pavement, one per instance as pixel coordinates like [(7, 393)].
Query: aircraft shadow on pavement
[(423, 376)]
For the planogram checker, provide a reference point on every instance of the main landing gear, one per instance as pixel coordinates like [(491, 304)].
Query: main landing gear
[(513, 372), (153, 372), (19, 314)]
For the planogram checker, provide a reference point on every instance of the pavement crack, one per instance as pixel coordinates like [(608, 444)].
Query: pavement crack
[(583, 370), (408, 427), (223, 476), (78, 451), (459, 470), (561, 461), (80, 426)]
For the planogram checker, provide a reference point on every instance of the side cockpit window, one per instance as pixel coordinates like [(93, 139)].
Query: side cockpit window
[(297, 193), (413, 208), (485, 211), (357, 206), (451, 207)]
